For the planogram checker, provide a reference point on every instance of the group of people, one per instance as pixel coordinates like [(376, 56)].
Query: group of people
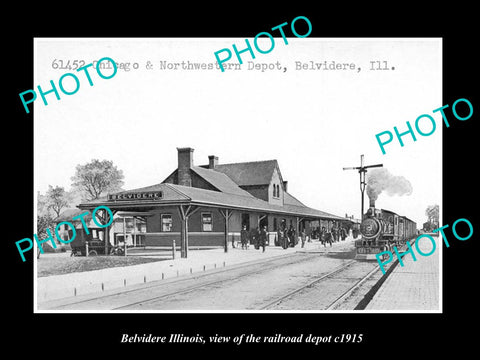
[(286, 237), (257, 237), (334, 235)]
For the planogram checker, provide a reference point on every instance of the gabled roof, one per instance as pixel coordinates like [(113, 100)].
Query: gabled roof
[(289, 199), (227, 179), (220, 181), (249, 173), (69, 213), (209, 197), (186, 194)]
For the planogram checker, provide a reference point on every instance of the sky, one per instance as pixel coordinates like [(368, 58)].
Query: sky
[(313, 122)]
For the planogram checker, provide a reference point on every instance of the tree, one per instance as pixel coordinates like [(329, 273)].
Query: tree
[(75, 197), (42, 206), (96, 178), (44, 222), (56, 199), (432, 213)]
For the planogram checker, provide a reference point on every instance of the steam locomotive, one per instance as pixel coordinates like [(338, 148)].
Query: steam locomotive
[(381, 230)]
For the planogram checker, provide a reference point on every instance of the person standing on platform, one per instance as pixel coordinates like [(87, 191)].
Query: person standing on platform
[(278, 241), (254, 237), (282, 234), (283, 240), (355, 233), (291, 236), (244, 237), (262, 238), (335, 234), (326, 237), (303, 236), (329, 238)]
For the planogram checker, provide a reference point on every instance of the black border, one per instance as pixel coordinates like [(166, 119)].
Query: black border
[(383, 334)]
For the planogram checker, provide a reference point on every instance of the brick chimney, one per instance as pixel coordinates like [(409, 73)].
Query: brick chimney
[(212, 161), (185, 162)]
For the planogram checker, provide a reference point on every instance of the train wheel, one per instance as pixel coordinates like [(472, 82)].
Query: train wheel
[(92, 253)]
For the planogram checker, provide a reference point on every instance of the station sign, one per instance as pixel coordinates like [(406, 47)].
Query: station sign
[(144, 195)]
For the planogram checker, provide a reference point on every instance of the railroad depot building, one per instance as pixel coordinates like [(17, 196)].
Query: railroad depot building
[(207, 205)]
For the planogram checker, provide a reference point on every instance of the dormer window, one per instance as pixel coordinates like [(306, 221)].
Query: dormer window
[(276, 190)]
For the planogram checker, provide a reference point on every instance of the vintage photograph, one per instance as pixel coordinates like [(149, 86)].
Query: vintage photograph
[(305, 179)]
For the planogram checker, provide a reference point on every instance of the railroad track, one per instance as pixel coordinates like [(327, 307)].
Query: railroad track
[(148, 295), (352, 289), (259, 266), (330, 275), (273, 264)]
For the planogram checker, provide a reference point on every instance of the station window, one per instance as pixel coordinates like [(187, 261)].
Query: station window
[(276, 190), (275, 225), (207, 224), (167, 222)]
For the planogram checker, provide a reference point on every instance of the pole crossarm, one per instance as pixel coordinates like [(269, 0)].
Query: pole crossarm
[(362, 169)]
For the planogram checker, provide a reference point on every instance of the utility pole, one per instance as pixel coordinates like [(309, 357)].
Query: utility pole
[(362, 170)]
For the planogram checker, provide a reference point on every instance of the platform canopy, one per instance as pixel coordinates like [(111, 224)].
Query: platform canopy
[(171, 194)]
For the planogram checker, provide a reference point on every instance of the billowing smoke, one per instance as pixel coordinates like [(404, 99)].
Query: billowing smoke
[(379, 180)]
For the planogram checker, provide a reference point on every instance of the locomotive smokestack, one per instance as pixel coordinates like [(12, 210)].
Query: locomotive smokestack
[(372, 203)]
